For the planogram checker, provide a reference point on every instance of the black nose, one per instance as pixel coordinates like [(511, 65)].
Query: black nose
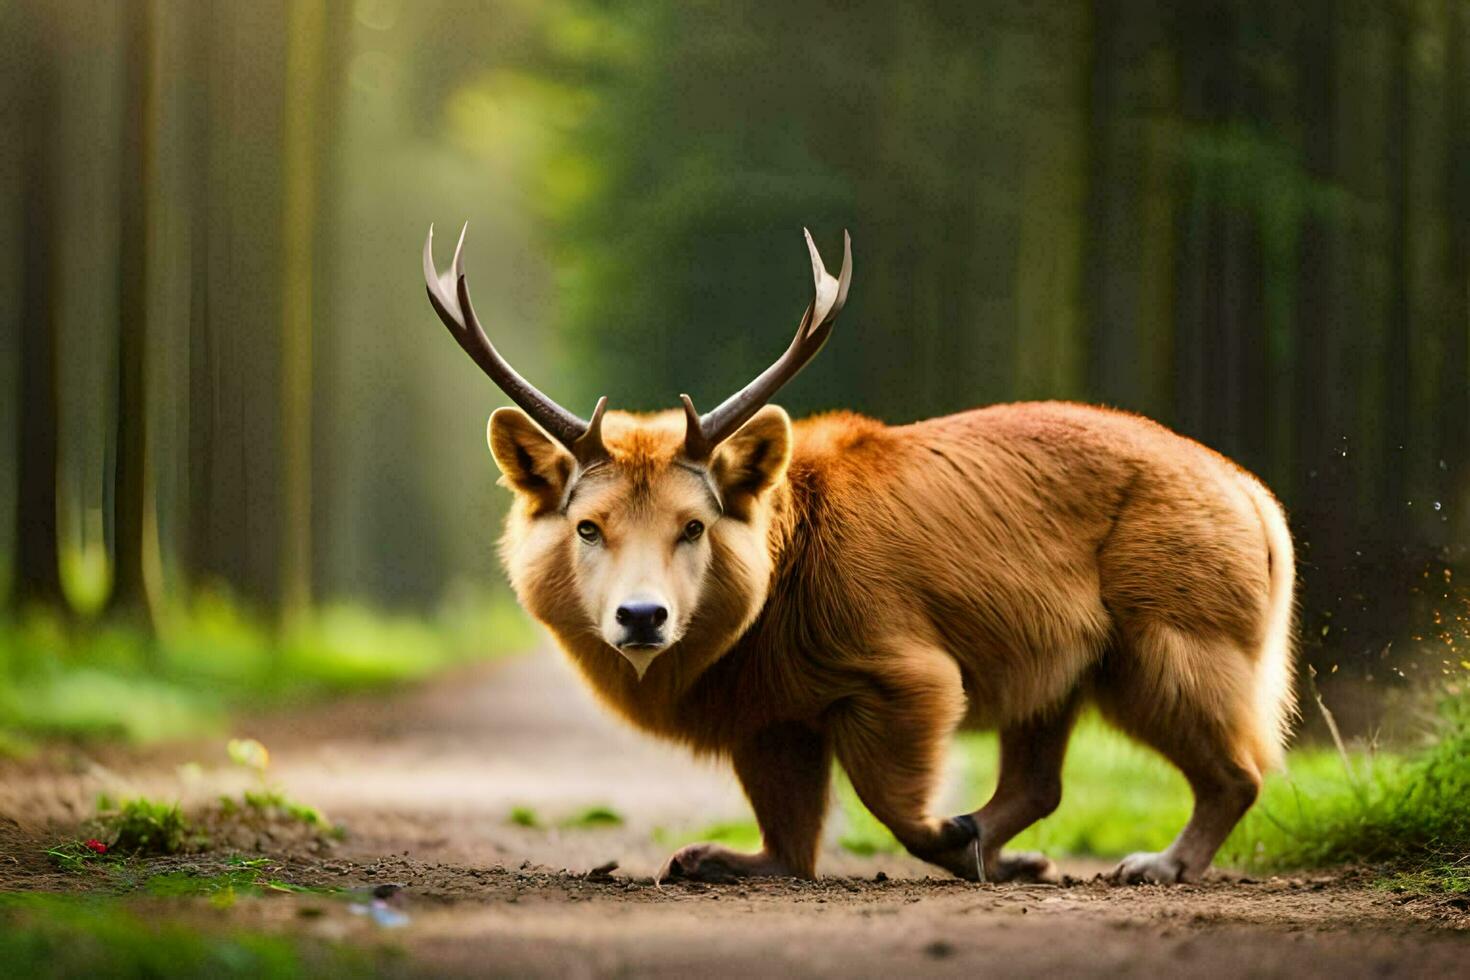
[(641, 617)]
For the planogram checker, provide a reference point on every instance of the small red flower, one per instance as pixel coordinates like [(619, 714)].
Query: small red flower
[(96, 846)]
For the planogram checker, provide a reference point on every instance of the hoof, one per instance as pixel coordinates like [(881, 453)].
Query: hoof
[(1027, 867), (959, 831), (697, 862), (1146, 868), (713, 864), (957, 848)]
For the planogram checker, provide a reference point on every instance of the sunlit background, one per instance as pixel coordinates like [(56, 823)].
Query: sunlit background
[(224, 388)]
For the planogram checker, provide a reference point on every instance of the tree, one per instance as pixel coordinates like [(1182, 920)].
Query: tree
[(37, 559), (135, 543)]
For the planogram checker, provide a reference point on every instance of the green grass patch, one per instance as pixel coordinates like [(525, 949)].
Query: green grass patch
[(103, 680), (1119, 797), (271, 805), (222, 882), (144, 827), (524, 816), (91, 936), (590, 818), (742, 835), (241, 878), (594, 817), (1408, 813), (1450, 876)]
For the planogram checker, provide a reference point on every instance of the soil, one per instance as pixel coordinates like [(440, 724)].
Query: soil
[(425, 782)]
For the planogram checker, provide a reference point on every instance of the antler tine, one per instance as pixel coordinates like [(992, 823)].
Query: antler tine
[(703, 433), (582, 439)]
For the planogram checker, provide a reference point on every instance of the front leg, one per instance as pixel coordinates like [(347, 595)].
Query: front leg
[(785, 771), (891, 737)]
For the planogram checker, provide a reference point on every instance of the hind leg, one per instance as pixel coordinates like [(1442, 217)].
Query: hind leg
[(1202, 720), (1028, 789)]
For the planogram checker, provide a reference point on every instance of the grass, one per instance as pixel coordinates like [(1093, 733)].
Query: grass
[(109, 681), (86, 936), (272, 805), (742, 835), (144, 827), (1404, 814), (1119, 797), (593, 817), (1410, 817), (524, 816), (243, 877), (590, 818)]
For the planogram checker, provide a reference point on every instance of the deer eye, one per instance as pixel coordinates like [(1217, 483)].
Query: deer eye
[(589, 532), (693, 530)]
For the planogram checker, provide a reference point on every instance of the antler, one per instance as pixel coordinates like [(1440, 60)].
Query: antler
[(703, 433), (583, 439)]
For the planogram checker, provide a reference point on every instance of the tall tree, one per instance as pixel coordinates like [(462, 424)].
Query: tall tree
[(303, 97), (135, 545), (234, 494), (37, 561)]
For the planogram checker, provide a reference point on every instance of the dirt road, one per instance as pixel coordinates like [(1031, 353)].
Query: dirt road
[(426, 782)]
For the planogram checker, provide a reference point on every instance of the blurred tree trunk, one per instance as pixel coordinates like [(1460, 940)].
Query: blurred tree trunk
[(134, 521), (304, 29), (37, 560), (1433, 392), (332, 336), (234, 508), (1134, 135), (1050, 261), (215, 543), (1454, 455)]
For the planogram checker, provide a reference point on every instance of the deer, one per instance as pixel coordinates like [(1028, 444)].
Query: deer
[(785, 596)]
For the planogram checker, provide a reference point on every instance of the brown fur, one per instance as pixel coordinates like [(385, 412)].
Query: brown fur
[(871, 588)]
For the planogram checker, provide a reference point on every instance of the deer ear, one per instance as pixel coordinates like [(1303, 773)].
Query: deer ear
[(754, 459), (531, 462)]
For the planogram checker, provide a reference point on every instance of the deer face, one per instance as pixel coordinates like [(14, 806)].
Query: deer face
[(649, 531), (645, 543)]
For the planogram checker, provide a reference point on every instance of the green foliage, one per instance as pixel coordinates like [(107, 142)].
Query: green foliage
[(587, 819), (75, 856), (524, 816), (106, 680), (63, 936), (243, 877), (1117, 797), (120, 871), (743, 835), (594, 816), (1443, 875), (273, 805), (1407, 814), (145, 827)]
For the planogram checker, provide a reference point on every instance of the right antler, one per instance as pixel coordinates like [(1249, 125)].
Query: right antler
[(703, 433), (582, 439)]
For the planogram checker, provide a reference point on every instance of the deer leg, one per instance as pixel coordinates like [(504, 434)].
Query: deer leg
[(785, 771), (1028, 789), (891, 739)]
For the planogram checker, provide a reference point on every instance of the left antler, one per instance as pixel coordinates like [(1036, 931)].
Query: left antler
[(449, 294)]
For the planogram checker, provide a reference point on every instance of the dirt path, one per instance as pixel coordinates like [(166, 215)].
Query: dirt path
[(426, 781)]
